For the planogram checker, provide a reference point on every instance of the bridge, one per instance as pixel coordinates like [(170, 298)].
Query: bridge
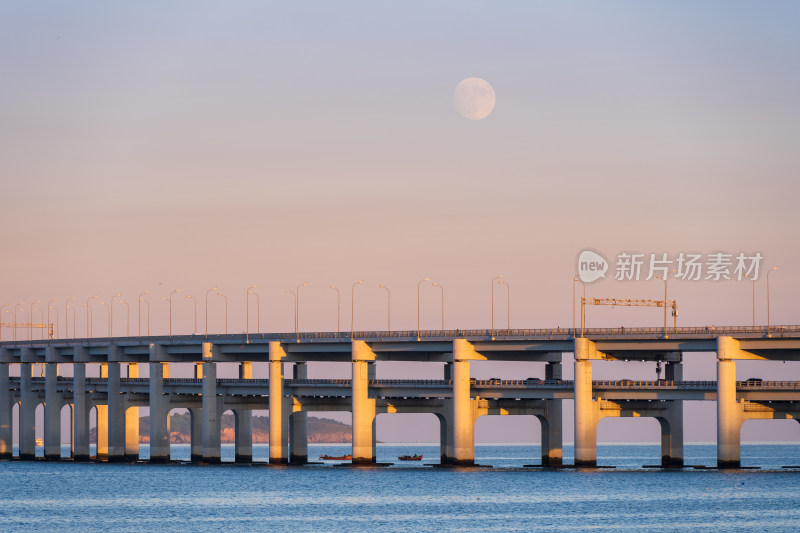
[(456, 399)]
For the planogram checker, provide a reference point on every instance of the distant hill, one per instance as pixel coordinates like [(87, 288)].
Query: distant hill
[(319, 429)]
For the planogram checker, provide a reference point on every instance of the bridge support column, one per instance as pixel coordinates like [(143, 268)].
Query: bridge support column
[(278, 420), (244, 423), (298, 424), (80, 408), (102, 421), (116, 409), (363, 405), (463, 415), (132, 422), (5, 408), (445, 446), (212, 452), (52, 413), (196, 422), (585, 408), (672, 425), (159, 407), (552, 439), (27, 410), (729, 411)]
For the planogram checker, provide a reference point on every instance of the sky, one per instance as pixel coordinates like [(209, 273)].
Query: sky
[(155, 146)]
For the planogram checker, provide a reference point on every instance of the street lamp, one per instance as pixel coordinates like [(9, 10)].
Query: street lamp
[(771, 270), (67, 307), (573, 302), (753, 283), (508, 305), (353, 305), (1, 326), (170, 308), (189, 296), (89, 317), (247, 311), (111, 315), (442, 289), (209, 290), (41, 314), (30, 324), (9, 312), (54, 300), (226, 311), (49, 307), (388, 306), (139, 311), (109, 319), (21, 304), (294, 295), (419, 285), (338, 309), (492, 303)]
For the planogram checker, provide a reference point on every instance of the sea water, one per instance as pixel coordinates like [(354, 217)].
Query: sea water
[(409, 496)]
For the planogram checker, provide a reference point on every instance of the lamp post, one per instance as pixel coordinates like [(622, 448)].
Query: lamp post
[(388, 306), (30, 324), (209, 290), (127, 317), (247, 310), (492, 301), (353, 306), (67, 307), (664, 279), (192, 298), (139, 312), (9, 312), (111, 315), (170, 308), (54, 300), (419, 285), (41, 314), (89, 316), (508, 305), (1, 327), (771, 270), (338, 309), (753, 283), (297, 309), (442, 289), (294, 296), (21, 304), (49, 307), (226, 311)]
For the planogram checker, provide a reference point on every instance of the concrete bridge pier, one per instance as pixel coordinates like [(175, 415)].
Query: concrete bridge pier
[(445, 443), (672, 423), (244, 423), (101, 411), (586, 409), (298, 424), (5, 408), (552, 439), (729, 411), (27, 409), (80, 408), (131, 422), (116, 409), (212, 447), (196, 423), (159, 407), (278, 419), (52, 413), (363, 407), (463, 416)]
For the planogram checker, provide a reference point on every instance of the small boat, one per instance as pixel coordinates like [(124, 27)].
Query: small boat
[(348, 457), (414, 457), (39, 442)]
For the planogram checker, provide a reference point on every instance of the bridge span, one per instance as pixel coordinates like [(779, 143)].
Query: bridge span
[(456, 399)]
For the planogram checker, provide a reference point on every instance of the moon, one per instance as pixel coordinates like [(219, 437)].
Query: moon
[(474, 98)]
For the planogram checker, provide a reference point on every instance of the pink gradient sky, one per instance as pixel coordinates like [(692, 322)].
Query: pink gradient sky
[(152, 147)]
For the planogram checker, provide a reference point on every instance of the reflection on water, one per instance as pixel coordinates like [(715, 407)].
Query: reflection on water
[(407, 496)]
